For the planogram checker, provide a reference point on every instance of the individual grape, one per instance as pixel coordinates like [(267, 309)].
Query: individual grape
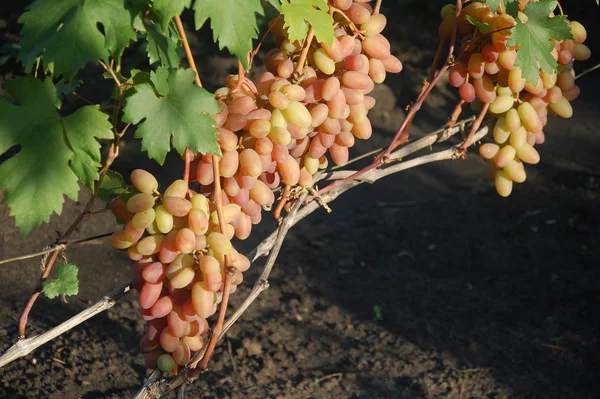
[(143, 219), (162, 307), (198, 220), (501, 133), (144, 181), (324, 62), (200, 201), (202, 300), (178, 325), (154, 272), (489, 150), (178, 188), (289, 171), (119, 241), (250, 163), (376, 46), (485, 89), (219, 243), (502, 104), (149, 294), (467, 92), (529, 117), (504, 156), (165, 363), (150, 245), (374, 25), (229, 163), (140, 202), (177, 206), (182, 278), (528, 154), (297, 114), (195, 343), (278, 100), (168, 341), (562, 107), (185, 240), (457, 74), (504, 185), (330, 88), (515, 171)]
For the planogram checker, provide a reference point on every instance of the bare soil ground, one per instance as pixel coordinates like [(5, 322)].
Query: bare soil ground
[(479, 296)]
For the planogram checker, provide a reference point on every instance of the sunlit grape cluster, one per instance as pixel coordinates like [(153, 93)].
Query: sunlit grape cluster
[(276, 132), (279, 130), (175, 240), (485, 73)]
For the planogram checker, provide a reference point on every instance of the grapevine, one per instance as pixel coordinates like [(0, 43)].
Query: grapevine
[(251, 146)]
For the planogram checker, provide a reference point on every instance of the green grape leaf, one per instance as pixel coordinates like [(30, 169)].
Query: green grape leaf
[(52, 150), (482, 26), (82, 128), (180, 116), (162, 47), (233, 23), (113, 185), (509, 4), (64, 33), (298, 14), (66, 282), (160, 80), (164, 10), (534, 37), (276, 4)]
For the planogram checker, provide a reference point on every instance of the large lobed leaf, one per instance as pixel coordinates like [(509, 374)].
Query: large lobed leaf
[(299, 14), (233, 23), (55, 152), (179, 115), (534, 39), (65, 33)]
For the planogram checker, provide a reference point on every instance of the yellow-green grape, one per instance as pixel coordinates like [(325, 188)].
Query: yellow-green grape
[(529, 117), (502, 104), (230, 213), (505, 155), (164, 220), (528, 154), (503, 183), (144, 181), (324, 62), (140, 202), (219, 243), (297, 114), (199, 201), (178, 188), (562, 108), (143, 219), (515, 171)]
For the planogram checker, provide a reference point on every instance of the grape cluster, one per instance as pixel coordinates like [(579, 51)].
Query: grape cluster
[(485, 73), (277, 131), (175, 240)]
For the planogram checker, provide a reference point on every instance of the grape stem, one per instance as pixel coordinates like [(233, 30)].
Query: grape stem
[(377, 7), (186, 48), (285, 196), (474, 127), (56, 247), (304, 54)]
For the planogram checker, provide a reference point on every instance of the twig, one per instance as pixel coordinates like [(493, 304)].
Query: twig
[(304, 53), (592, 69), (26, 346), (58, 247), (186, 48), (333, 375), (112, 73)]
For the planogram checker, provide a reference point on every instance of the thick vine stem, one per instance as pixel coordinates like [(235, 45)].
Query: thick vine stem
[(56, 247), (26, 346)]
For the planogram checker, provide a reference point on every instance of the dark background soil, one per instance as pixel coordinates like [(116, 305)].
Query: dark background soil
[(480, 296)]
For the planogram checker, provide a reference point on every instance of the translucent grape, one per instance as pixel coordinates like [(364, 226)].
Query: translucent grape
[(144, 181)]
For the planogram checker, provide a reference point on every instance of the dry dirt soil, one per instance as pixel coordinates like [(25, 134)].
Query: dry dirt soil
[(478, 296)]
